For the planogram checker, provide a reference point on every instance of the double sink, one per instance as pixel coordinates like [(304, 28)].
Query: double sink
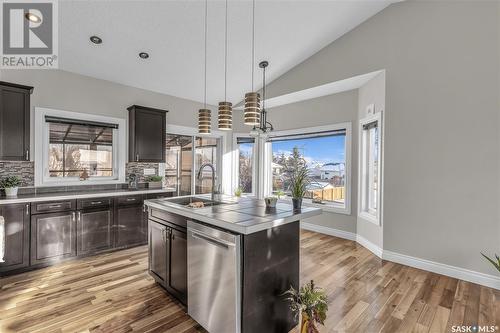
[(188, 201)]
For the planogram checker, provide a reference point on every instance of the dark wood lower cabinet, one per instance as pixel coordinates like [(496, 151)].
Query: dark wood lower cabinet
[(53, 237), (130, 226), (94, 231), (17, 219), (158, 252), (177, 264)]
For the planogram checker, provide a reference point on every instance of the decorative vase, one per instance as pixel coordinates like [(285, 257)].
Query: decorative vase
[(297, 203), (307, 325), (270, 202), (11, 191)]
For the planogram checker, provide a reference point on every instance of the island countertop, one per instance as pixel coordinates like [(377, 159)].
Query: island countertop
[(240, 215)]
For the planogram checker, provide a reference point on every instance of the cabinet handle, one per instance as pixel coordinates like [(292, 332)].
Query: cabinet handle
[(27, 154), (96, 202), (28, 209), (55, 206), (130, 199), (79, 216), (143, 208), (137, 158), (73, 216)]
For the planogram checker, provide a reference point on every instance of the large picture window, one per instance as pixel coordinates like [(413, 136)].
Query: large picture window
[(370, 168), (325, 151)]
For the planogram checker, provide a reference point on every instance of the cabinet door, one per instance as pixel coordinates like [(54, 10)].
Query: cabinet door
[(16, 232), (149, 136), (14, 123), (53, 237), (130, 227), (158, 252), (177, 264), (94, 231)]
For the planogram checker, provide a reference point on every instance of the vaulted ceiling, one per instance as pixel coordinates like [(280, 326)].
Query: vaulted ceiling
[(287, 32)]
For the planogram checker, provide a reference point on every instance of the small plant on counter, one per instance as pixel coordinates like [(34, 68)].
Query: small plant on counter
[(11, 185), (238, 192), (495, 262), (155, 181), (280, 194), (311, 303)]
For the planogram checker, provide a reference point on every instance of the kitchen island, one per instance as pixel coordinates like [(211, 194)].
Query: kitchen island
[(229, 261)]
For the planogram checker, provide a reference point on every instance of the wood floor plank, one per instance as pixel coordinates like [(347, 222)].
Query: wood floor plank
[(113, 293)]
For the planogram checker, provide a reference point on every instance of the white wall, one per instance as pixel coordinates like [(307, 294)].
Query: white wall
[(441, 122), (337, 108), (373, 92)]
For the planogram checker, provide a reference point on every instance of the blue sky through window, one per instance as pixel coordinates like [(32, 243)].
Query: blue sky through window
[(315, 150)]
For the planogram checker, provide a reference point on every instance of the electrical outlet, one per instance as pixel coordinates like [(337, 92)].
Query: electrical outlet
[(149, 172)]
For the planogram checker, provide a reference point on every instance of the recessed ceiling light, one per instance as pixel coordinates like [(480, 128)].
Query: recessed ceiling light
[(143, 55), (96, 39), (33, 18)]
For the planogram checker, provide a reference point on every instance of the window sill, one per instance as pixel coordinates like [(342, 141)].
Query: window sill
[(369, 217), (81, 182), (330, 208)]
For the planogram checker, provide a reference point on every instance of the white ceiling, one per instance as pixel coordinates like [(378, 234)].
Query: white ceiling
[(287, 32)]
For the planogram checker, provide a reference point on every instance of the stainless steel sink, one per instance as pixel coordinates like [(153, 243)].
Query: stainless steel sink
[(189, 200)]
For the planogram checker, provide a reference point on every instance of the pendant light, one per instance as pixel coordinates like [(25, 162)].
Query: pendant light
[(264, 126), (204, 115), (252, 99), (225, 108)]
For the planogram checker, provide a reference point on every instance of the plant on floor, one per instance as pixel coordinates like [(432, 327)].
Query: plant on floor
[(311, 303), (495, 262)]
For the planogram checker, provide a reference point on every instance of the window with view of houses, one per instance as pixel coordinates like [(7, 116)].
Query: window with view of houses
[(324, 155), (245, 164)]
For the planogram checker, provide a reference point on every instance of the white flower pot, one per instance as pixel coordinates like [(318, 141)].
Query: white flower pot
[(11, 191)]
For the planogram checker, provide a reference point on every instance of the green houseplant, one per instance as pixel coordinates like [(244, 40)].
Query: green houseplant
[(298, 177), (155, 181), (238, 192), (495, 262), (11, 185), (311, 303)]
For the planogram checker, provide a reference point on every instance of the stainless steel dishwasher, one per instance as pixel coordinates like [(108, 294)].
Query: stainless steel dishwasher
[(214, 278)]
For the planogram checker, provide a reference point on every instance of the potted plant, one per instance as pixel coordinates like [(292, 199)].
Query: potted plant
[(11, 185), (271, 202), (155, 181), (299, 179), (311, 303), (495, 262), (280, 194), (238, 192)]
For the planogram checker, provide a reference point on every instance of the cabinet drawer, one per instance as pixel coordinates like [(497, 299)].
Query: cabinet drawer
[(93, 203), (52, 206), (174, 219), (129, 200)]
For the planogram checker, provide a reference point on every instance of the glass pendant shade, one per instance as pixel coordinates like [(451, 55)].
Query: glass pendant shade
[(252, 109), (204, 121), (225, 116)]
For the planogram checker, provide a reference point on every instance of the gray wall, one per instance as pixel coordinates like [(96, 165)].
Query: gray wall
[(337, 108), (373, 92), (441, 122)]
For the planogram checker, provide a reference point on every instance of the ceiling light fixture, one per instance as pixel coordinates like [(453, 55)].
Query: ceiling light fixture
[(33, 17), (96, 40), (143, 55), (204, 115), (252, 99), (225, 107), (265, 126)]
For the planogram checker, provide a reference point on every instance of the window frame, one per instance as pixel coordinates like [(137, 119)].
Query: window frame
[(236, 165), (329, 207), (193, 132), (41, 138), (363, 160)]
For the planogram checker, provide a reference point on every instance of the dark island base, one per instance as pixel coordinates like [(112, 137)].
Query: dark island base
[(270, 267)]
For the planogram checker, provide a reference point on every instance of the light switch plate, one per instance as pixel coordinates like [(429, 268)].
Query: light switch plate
[(149, 172)]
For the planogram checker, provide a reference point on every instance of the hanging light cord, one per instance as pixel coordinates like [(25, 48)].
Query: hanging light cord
[(253, 41), (225, 61), (205, 69)]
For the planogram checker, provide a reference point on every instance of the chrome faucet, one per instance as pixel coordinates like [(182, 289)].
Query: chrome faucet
[(213, 176)]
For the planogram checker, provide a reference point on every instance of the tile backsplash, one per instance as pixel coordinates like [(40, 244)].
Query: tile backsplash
[(22, 169), (138, 169)]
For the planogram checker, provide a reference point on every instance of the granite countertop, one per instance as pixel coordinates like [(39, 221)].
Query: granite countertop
[(240, 215), (69, 195)]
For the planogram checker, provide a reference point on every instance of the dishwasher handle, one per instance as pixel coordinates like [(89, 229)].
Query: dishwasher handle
[(211, 240)]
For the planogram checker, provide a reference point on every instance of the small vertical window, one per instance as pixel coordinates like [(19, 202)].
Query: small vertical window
[(246, 147), (370, 151)]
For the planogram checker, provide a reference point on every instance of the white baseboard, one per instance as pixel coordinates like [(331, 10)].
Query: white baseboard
[(328, 231), (375, 249), (428, 265), (444, 269)]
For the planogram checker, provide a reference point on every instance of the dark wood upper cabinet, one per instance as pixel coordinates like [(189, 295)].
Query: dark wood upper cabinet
[(147, 134), (17, 229), (14, 121)]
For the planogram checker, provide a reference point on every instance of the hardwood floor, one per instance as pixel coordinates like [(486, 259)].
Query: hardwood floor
[(114, 293)]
